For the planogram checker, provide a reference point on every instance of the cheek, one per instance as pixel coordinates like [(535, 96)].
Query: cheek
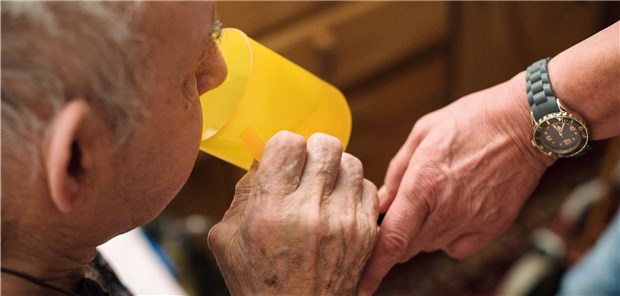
[(160, 161), (182, 148)]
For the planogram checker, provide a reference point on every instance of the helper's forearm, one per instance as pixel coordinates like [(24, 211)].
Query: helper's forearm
[(586, 78)]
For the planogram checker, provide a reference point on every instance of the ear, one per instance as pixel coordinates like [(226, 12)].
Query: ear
[(63, 157)]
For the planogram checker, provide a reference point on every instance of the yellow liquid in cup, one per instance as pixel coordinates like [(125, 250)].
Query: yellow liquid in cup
[(263, 94)]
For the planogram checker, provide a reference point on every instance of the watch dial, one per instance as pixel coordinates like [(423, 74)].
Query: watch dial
[(561, 136)]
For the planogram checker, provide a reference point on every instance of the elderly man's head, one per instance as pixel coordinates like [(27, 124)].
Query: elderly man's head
[(101, 120)]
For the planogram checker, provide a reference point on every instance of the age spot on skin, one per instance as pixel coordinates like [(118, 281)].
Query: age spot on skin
[(272, 280)]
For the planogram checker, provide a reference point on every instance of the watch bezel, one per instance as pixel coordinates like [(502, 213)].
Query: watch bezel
[(565, 117)]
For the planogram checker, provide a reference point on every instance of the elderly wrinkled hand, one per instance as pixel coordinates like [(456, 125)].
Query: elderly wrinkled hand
[(459, 180), (303, 221)]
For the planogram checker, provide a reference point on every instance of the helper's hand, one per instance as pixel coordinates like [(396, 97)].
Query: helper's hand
[(303, 221), (459, 180)]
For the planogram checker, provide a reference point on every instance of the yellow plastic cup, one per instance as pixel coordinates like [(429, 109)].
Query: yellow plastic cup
[(264, 93)]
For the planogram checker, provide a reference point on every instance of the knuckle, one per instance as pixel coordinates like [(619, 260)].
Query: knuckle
[(429, 186), (352, 163), (288, 139), (352, 170), (395, 246), (325, 142), (214, 239), (430, 183), (371, 187), (421, 201), (371, 190)]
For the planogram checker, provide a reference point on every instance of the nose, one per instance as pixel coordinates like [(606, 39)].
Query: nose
[(212, 72)]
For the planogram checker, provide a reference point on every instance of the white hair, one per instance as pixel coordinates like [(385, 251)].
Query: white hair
[(53, 52)]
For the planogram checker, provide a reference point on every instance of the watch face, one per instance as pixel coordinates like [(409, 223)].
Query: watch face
[(560, 134)]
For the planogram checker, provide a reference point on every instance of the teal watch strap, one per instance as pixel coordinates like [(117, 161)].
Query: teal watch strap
[(540, 94)]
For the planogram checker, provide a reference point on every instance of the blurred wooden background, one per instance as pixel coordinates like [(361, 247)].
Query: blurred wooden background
[(396, 61)]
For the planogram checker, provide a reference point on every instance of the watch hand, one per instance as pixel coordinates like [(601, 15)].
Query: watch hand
[(559, 127)]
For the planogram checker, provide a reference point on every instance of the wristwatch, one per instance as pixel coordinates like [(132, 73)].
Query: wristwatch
[(557, 132)]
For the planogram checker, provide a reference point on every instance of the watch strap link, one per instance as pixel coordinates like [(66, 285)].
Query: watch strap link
[(540, 94)]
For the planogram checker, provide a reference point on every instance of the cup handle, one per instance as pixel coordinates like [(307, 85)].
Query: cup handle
[(253, 143)]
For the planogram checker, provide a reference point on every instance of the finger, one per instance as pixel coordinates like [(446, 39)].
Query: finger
[(348, 187), (345, 216), (282, 163), (396, 235), (466, 245), (323, 158), (370, 201), (396, 170)]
